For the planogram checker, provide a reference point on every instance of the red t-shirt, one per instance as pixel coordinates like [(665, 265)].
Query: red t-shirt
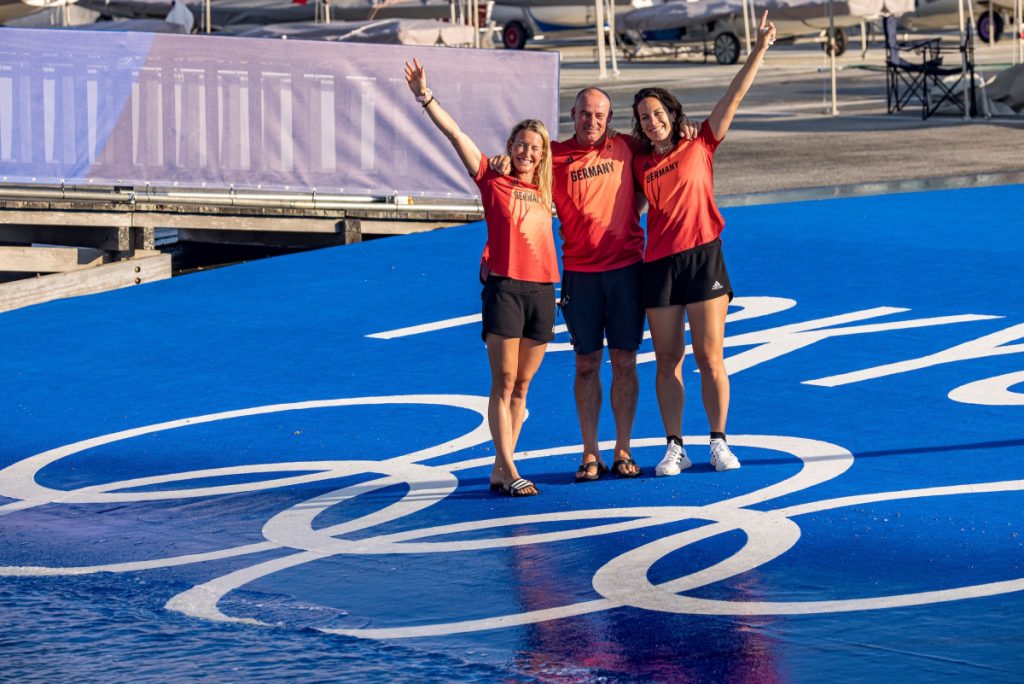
[(681, 192), (520, 244), (595, 194)]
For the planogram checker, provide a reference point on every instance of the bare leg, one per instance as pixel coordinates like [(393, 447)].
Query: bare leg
[(503, 355), (707, 330), (666, 324), (625, 392), (531, 353), (587, 389)]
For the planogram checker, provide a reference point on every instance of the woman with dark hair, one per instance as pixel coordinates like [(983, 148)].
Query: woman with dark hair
[(520, 267), (684, 273)]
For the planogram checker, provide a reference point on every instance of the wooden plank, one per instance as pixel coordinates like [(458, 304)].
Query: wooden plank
[(277, 224), (49, 259), (110, 239), (130, 227), (143, 238), (450, 217), (99, 219), (259, 238), (377, 227), (28, 291)]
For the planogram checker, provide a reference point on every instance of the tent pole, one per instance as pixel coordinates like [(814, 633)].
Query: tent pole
[(1020, 32), (832, 53), (963, 59), (991, 27), (207, 15), (611, 38), (984, 96), (746, 24), (599, 19), (474, 8)]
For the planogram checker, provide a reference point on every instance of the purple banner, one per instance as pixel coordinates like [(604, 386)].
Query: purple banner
[(220, 112)]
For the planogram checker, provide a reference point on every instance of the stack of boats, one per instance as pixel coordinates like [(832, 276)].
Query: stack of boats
[(411, 22)]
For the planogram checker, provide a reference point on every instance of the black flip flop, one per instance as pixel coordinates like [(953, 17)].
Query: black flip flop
[(583, 472), (626, 462)]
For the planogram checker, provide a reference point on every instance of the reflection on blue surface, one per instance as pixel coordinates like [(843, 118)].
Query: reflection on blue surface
[(290, 482)]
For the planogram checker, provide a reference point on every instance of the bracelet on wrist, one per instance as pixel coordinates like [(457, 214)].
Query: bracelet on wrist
[(425, 98)]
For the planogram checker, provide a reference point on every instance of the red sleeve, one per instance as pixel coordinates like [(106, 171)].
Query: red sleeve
[(638, 170), (482, 172), (636, 146), (707, 137)]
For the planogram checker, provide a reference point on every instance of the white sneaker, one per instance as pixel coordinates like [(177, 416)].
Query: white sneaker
[(674, 462), (722, 457)]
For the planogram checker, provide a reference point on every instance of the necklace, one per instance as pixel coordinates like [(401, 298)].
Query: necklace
[(662, 149)]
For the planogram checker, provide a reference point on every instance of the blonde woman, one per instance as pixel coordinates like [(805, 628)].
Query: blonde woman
[(519, 271)]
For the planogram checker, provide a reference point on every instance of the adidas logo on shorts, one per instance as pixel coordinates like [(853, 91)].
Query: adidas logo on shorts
[(716, 286)]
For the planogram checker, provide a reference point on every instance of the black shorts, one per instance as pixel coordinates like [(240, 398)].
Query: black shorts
[(518, 308), (695, 275), (606, 303)]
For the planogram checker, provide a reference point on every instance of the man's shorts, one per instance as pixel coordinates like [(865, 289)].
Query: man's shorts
[(601, 304), (518, 308), (694, 275)]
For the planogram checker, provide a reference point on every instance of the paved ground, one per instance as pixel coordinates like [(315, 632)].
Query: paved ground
[(785, 136)]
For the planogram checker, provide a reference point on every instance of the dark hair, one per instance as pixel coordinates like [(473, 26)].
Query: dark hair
[(672, 107)]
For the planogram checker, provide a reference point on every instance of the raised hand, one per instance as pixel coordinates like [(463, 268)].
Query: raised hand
[(469, 153), (722, 115), (765, 32), (416, 77)]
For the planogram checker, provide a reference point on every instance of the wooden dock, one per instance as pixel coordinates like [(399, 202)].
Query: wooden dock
[(58, 242)]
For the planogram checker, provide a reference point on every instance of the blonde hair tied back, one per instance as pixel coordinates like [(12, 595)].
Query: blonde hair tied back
[(542, 175)]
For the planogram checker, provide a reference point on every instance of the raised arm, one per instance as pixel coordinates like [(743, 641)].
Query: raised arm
[(469, 153), (721, 115)]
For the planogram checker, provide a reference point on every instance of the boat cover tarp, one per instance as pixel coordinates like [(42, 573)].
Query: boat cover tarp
[(260, 12), (384, 31), (679, 13)]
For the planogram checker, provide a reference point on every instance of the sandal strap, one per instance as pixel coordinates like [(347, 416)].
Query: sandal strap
[(521, 483), (629, 463)]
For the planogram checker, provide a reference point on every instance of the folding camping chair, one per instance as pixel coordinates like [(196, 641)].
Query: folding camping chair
[(922, 78)]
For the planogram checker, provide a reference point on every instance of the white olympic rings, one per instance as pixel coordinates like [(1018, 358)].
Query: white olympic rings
[(620, 582)]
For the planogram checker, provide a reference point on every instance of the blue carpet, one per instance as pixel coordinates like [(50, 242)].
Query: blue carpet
[(269, 472)]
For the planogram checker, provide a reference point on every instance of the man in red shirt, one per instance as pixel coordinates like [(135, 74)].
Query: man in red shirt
[(602, 252), (599, 206)]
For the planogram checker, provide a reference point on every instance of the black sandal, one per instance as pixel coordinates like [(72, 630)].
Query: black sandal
[(583, 472), (517, 488), (626, 462)]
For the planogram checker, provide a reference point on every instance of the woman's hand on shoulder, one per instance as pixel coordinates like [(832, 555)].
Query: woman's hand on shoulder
[(687, 131), (501, 164)]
